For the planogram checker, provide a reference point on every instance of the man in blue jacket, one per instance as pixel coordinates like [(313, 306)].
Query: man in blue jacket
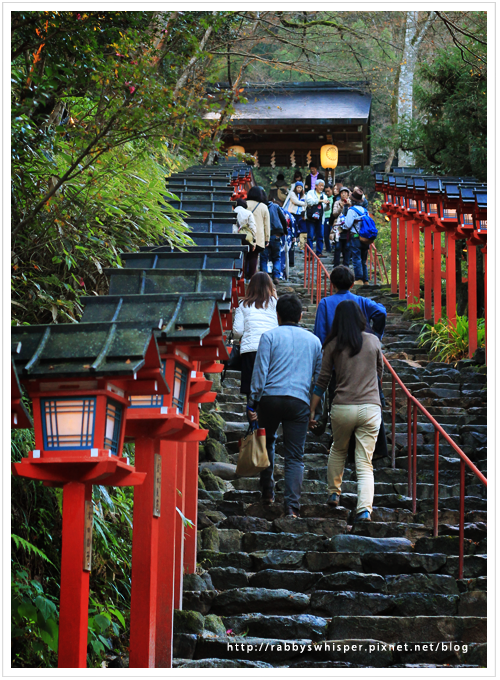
[(280, 393), (342, 279)]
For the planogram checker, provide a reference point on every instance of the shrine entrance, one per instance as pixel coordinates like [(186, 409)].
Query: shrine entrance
[(286, 124)]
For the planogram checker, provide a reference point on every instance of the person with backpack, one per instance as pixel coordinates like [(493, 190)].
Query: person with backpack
[(272, 252), (257, 204), (363, 232), (356, 358), (279, 190), (316, 201)]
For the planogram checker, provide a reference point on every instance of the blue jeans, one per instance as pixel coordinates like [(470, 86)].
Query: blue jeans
[(293, 413), (315, 231), (356, 258), (342, 247), (272, 252)]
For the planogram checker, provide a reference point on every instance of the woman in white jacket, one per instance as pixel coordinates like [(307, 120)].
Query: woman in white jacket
[(295, 204), (255, 315)]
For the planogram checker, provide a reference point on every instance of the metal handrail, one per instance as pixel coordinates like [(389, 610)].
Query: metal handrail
[(311, 264)]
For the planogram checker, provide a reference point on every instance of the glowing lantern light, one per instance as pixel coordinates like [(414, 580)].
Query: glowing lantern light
[(233, 150), (329, 156)]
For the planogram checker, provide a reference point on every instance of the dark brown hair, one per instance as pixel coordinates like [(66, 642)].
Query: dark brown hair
[(260, 290), (348, 324)]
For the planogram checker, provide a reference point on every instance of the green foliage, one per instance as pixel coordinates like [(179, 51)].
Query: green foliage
[(34, 623), (101, 111), (450, 135), (449, 342)]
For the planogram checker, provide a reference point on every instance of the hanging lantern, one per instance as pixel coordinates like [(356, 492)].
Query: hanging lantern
[(233, 150), (308, 158), (273, 160), (256, 162), (292, 159), (329, 156)]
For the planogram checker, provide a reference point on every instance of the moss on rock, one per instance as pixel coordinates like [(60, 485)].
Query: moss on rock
[(211, 482), (188, 622), (215, 425), (216, 451), (214, 624)]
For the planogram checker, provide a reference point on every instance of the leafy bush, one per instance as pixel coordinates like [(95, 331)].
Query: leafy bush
[(449, 342)]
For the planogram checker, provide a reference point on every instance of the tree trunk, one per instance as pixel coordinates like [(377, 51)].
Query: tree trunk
[(413, 38)]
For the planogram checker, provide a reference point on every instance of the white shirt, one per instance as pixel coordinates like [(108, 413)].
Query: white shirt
[(251, 323)]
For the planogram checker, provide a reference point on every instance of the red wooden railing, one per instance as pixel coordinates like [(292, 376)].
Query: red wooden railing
[(315, 281)]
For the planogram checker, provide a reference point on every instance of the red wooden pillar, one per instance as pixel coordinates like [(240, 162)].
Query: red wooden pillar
[(402, 258), (74, 598), (483, 250), (191, 499), (428, 274), (416, 261), (144, 559), (472, 297), (437, 276), (451, 281), (166, 556), (409, 263), (394, 254), (179, 527)]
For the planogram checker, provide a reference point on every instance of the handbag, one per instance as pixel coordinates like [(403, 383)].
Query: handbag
[(252, 456)]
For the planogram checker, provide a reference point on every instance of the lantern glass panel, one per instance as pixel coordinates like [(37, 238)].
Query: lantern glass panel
[(449, 213), (433, 209), (113, 422), (180, 383), (483, 224), (68, 423), (467, 219), (412, 204), (148, 401), (389, 198), (422, 206), (402, 201)]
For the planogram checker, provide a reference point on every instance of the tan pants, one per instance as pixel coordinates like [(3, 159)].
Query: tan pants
[(302, 241), (364, 420)]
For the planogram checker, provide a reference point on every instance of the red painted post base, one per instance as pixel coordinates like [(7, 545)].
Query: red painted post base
[(428, 278), (144, 559), (394, 254), (472, 297), (74, 599), (179, 526), (166, 557)]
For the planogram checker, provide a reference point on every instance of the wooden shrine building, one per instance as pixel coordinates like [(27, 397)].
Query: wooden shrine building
[(284, 118)]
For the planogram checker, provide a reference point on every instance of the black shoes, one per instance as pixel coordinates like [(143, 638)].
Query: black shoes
[(290, 512)]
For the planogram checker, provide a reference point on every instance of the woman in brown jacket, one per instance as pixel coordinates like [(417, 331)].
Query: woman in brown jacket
[(356, 357), (257, 204)]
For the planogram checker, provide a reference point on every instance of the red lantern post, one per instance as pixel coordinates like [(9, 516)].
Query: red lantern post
[(79, 382)]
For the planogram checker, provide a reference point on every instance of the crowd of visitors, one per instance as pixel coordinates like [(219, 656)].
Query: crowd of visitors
[(287, 372), (327, 217)]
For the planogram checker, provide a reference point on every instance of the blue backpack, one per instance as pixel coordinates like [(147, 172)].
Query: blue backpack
[(367, 231)]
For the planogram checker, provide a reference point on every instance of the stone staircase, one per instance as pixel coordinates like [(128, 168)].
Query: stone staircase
[(318, 591)]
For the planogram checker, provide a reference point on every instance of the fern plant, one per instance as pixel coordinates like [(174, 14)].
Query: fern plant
[(450, 342)]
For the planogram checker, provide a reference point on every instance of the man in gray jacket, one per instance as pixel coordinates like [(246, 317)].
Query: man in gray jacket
[(280, 393)]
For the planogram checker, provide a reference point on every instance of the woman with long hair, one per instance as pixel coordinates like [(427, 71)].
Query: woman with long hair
[(255, 315), (257, 204), (356, 357)]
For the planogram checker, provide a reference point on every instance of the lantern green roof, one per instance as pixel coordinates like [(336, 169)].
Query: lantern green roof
[(203, 260), (140, 281), (173, 316), (85, 349)]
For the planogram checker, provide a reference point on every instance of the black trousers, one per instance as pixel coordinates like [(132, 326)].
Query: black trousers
[(293, 414)]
